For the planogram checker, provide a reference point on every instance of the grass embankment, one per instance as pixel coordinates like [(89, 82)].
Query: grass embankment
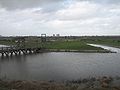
[(7, 42), (71, 46), (27, 44)]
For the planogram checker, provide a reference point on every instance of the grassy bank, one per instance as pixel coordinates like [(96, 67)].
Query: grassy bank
[(72, 46), (7, 42), (76, 43), (101, 83), (69, 45)]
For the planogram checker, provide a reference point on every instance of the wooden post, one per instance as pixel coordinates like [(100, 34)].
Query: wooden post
[(2, 54)]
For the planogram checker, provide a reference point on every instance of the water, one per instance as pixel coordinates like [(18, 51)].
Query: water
[(60, 66)]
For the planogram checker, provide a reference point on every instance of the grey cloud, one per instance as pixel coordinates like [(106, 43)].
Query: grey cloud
[(46, 5), (103, 1), (76, 19)]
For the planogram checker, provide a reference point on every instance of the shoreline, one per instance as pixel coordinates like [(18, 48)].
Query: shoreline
[(80, 51), (100, 83), (77, 50), (67, 50), (63, 50)]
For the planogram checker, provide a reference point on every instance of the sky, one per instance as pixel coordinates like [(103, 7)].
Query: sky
[(64, 17)]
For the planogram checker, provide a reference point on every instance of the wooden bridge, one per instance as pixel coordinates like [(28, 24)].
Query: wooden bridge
[(20, 48), (10, 51)]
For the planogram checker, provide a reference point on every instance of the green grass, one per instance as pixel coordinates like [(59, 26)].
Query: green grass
[(70, 45), (7, 42), (66, 45), (28, 44)]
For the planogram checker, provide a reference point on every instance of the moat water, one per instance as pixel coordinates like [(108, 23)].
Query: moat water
[(60, 66)]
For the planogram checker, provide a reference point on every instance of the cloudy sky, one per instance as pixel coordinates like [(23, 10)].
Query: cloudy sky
[(66, 17)]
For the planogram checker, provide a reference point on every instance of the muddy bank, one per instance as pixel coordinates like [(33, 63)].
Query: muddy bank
[(100, 83), (81, 51)]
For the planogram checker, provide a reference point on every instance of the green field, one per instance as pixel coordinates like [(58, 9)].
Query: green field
[(7, 42), (66, 45), (28, 44), (69, 45)]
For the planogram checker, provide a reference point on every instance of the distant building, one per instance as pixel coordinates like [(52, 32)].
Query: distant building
[(43, 37), (53, 35), (58, 35)]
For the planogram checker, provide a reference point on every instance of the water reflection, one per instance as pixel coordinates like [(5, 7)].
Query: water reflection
[(13, 58), (14, 67)]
